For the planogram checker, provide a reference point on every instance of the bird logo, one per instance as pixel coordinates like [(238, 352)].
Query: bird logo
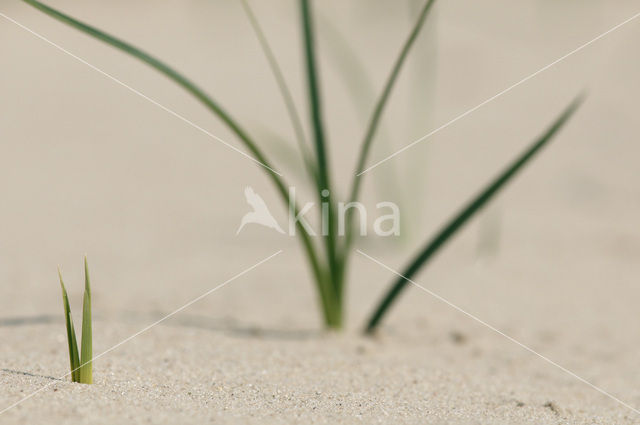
[(260, 214)]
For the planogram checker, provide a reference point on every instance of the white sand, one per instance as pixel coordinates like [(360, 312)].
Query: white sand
[(85, 166)]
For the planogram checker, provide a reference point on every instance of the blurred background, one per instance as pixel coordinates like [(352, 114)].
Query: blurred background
[(86, 166)]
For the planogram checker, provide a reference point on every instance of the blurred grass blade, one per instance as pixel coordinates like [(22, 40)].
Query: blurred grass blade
[(292, 111), (382, 100), (465, 214), (86, 350), (284, 153), (355, 75), (74, 360), (358, 85)]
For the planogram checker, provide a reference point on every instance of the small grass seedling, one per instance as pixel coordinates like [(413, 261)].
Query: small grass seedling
[(81, 365)]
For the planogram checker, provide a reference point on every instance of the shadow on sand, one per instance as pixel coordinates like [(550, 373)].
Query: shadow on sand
[(227, 326)]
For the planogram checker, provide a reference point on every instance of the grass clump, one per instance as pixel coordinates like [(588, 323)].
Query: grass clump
[(81, 365), (328, 259)]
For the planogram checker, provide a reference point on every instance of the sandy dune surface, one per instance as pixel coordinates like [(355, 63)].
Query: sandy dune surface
[(86, 166)]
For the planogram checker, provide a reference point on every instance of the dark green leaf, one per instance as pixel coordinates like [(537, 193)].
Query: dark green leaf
[(335, 277), (465, 214)]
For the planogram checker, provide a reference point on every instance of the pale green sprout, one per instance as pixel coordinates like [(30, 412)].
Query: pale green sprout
[(81, 365)]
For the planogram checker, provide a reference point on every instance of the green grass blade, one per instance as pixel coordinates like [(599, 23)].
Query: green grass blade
[(335, 279), (465, 214), (86, 345), (314, 93), (276, 70), (201, 96), (74, 360)]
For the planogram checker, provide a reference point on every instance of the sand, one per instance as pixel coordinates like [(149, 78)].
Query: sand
[(88, 167)]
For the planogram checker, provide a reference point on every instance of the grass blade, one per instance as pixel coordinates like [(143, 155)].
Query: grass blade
[(74, 360), (292, 111), (355, 75), (86, 349), (465, 214), (314, 94), (335, 277), (202, 97)]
